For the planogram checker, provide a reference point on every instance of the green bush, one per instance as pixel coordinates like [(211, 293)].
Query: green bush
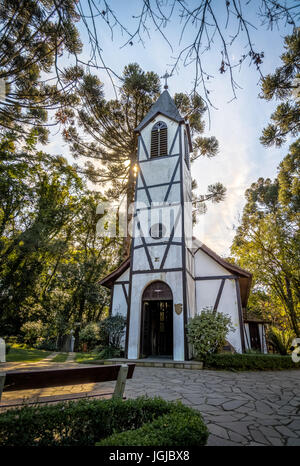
[(86, 422), (174, 429), (90, 335), (244, 362), (207, 332), (113, 329), (109, 352), (47, 345), (7, 348)]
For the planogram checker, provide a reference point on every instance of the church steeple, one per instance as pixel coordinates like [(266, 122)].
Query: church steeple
[(162, 225), (164, 105)]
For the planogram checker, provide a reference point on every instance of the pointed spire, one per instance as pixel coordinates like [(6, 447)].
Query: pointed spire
[(164, 105)]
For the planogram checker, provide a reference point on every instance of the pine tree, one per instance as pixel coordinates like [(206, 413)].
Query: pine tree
[(284, 85), (33, 37), (267, 241)]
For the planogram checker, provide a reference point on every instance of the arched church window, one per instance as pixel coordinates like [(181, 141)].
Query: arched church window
[(159, 139)]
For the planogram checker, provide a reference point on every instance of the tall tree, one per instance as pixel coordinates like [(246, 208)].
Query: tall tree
[(284, 85), (267, 241), (71, 295), (51, 258), (33, 37), (37, 200)]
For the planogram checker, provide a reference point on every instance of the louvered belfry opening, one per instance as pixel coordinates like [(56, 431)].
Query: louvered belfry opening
[(159, 139), (186, 151)]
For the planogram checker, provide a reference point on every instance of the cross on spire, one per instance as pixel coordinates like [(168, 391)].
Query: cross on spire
[(165, 77)]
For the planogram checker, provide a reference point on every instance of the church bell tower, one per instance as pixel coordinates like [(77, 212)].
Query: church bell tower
[(161, 285)]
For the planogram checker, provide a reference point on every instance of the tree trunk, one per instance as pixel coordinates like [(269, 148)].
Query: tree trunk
[(130, 199), (291, 308)]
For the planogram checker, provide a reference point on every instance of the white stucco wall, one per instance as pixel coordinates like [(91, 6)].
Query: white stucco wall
[(119, 303), (206, 266), (207, 291)]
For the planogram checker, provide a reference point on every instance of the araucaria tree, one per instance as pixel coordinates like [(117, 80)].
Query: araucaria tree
[(33, 36), (267, 242), (284, 85)]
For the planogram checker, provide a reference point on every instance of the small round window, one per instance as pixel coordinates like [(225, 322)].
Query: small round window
[(157, 231)]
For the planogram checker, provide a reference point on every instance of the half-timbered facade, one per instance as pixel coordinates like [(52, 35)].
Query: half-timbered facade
[(170, 276)]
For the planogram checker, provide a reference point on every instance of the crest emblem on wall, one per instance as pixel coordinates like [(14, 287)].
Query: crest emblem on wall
[(178, 308)]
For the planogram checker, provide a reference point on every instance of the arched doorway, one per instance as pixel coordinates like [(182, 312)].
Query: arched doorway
[(157, 321)]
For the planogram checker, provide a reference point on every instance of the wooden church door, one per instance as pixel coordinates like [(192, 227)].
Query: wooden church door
[(157, 321)]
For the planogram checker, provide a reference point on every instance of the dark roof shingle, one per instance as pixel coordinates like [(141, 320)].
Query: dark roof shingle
[(164, 105)]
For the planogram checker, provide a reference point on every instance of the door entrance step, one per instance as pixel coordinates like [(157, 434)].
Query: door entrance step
[(158, 362)]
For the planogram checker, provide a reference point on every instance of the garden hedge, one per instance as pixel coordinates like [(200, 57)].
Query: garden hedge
[(86, 422), (175, 429), (247, 362)]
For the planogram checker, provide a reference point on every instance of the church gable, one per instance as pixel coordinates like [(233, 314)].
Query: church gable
[(164, 106), (207, 266)]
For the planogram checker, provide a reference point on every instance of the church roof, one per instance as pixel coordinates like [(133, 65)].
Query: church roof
[(249, 317), (164, 105), (110, 279)]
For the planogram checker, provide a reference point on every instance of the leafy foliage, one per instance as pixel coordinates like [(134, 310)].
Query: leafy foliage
[(51, 258), (175, 429), (90, 334), (33, 332), (109, 352), (207, 332), (84, 423), (267, 241), (113, 328), (284, 85), (33, 36), (246, 362), (281, 340)]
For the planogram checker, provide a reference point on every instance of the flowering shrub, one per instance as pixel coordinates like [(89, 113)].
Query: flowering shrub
[(33, 332), (207, 332)]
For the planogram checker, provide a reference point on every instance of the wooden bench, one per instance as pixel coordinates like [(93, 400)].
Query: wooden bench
[(26, 380)]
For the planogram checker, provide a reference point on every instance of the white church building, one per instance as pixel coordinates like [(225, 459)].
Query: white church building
[(170, 275)]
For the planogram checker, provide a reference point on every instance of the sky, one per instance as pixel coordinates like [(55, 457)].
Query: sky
[(237, 124)]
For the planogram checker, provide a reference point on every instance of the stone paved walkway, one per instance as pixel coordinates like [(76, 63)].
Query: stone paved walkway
[(246, 408), (19, 365)]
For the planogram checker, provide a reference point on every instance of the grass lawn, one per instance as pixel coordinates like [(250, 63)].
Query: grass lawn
[(21, 353), (61, 357), (86, 358)]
